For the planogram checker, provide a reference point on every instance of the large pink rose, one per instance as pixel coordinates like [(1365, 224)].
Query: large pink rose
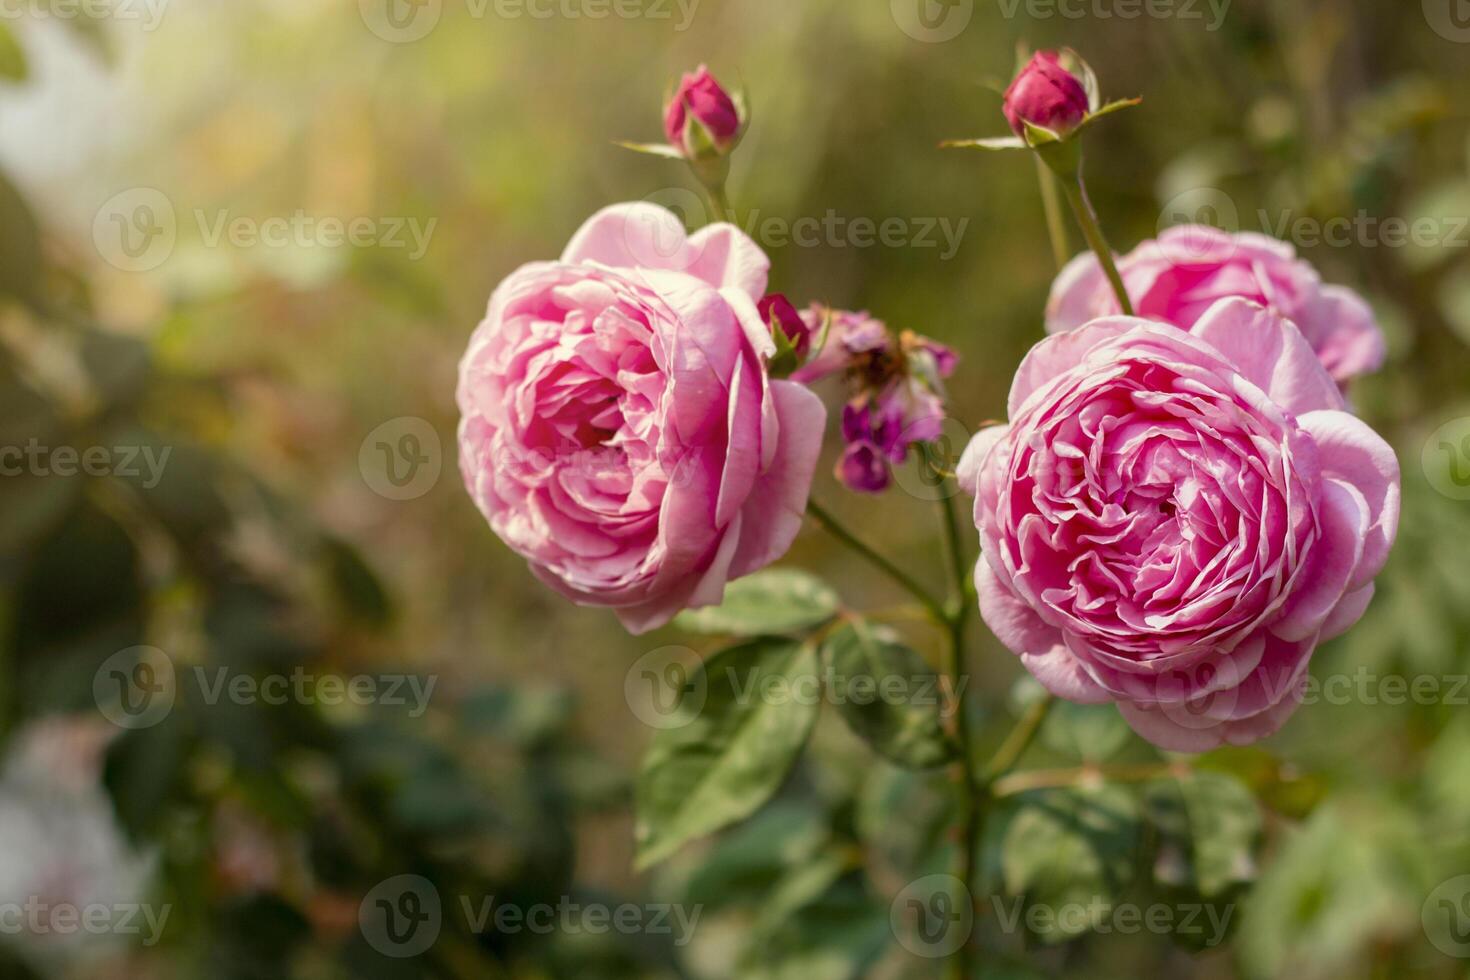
[(1173, 520), (1179, 276), (619, 429)]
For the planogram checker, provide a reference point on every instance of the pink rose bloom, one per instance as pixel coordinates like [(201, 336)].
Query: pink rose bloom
[(1047, 95), (1173, 520), (619, 429), (1179, 276)]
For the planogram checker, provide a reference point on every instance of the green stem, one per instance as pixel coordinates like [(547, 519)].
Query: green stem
[(835, 528), (962, 965), (1018, 741), (1051, 203), (719, 201), (1076, 191)]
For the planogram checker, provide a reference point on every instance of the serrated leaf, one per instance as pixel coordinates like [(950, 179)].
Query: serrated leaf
[(1066, 849), (760, 700), (775, 601), (994, 143), (1087, 732), (887, 695)]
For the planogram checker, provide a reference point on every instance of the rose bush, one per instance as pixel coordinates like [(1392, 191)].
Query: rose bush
[(1173, 520), (619, 429), (1182, 274)]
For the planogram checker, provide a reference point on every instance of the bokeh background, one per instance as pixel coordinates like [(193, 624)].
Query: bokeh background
[(171, 281)]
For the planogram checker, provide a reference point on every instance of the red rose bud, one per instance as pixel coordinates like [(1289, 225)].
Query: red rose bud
[(702, 119), (778, 313), (1047, 95)]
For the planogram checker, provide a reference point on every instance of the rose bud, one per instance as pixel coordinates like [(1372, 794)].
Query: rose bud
[(702, 119), (788, 328), (1045, 94)]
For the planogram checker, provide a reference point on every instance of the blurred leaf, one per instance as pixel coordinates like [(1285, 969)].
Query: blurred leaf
[(836, 937), (528, 715), (735, 750), (1213, 822), (80, 599), (1088, 732), (1067, 849), (1447, 775), (775, 601), (746, 863), (355, 584), (20, 246), (12, 56), (144, 772), (887, 695), (120, 367), (1352, 877), (903, 817)]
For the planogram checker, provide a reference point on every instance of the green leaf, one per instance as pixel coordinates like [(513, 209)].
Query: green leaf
[(1208, 826), (775, 601), (888, 696), (1065, 849), (995, 143), (1087, 732), (12, 57), (760, 700), (355, 584), (20, 246), (836, 937), (652, 149)]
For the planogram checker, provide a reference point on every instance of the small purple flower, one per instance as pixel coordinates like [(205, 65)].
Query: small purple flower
[(898, 398)]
